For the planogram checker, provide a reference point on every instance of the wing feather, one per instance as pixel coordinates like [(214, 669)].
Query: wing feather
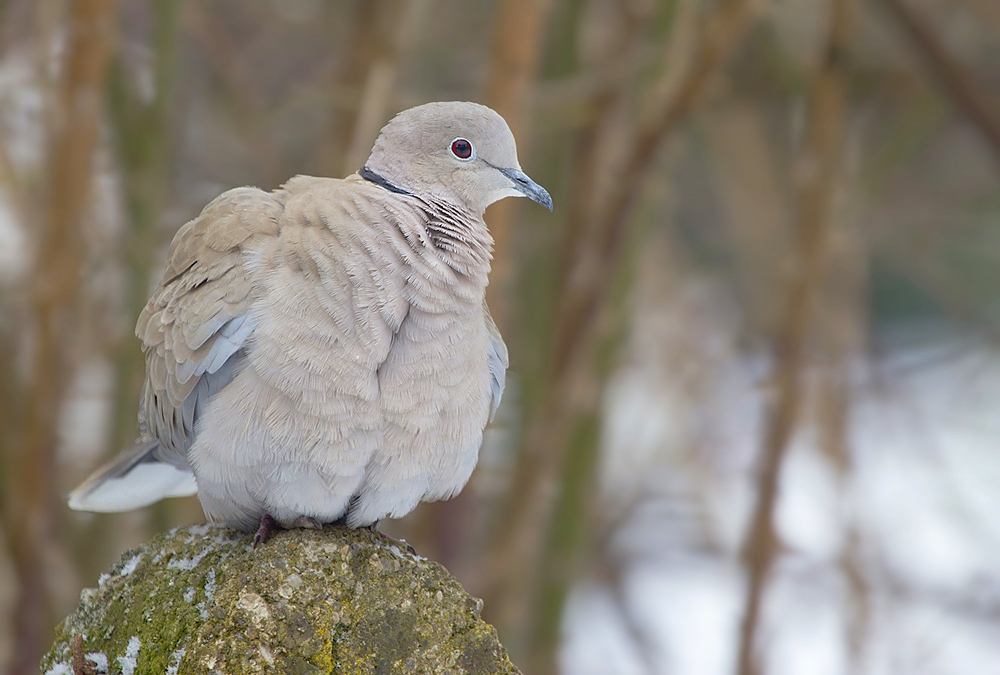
[(498, 362), (193, 331), (197, 321)]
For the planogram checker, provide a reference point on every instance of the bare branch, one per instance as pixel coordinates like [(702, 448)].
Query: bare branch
[(821, 166), (376, 97), (596, 233), (964, 90), (31, 491), (517, 49)]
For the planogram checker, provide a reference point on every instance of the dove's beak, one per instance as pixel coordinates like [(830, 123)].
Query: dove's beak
[(528, 187)]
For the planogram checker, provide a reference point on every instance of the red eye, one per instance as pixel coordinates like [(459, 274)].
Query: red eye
[(461, 148)]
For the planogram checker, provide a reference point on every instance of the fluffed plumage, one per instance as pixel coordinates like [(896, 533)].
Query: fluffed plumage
[(324, 351)]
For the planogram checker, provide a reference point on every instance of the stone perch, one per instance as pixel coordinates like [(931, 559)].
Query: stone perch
[(200, 600)]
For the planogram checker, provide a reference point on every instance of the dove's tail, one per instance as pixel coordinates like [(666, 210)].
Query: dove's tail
[(133, 479)]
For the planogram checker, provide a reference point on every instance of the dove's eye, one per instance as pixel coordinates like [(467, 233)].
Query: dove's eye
[(461, 148)]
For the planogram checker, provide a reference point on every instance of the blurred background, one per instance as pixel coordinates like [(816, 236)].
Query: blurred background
[(751, 421)]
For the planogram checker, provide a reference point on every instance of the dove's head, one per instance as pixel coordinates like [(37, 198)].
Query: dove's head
[(461, 152)]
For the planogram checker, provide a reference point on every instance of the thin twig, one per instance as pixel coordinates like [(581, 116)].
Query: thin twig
[(406, 21), (964, 90), (577, 330), (517, 51), (349, 78), (240, 87), (517, 48), (31, 495), (821, 166), (81, 664), (143, 148)]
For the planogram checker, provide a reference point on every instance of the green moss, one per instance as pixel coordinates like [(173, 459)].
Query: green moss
[(200, 600)]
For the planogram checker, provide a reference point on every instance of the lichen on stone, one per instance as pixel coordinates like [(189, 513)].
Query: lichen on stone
[(201, 600)]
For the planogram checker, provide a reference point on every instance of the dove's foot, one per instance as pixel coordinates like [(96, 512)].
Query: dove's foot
[(307, 522), (409, 547), (268, 526)]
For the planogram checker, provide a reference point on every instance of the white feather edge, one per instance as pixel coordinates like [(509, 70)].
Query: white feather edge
[(228, 341), (145, 484)]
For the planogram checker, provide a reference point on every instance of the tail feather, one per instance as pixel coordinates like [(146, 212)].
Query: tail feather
[(133, 479)]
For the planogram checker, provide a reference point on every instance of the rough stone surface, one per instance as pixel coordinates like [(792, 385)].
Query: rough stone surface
[(200, 600)]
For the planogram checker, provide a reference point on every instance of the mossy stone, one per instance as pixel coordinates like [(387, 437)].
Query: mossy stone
[(201, 600)]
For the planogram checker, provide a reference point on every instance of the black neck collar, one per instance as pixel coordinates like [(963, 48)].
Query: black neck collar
[(373, 177)]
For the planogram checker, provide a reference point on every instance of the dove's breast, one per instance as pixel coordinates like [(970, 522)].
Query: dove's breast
[(366, 383), (434, 383), (434, 388)]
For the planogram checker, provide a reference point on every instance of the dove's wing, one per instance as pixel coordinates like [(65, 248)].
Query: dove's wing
[(198, 318), (193, 330), (498, 361)]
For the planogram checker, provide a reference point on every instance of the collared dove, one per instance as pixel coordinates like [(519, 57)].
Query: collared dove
[(323, 352)]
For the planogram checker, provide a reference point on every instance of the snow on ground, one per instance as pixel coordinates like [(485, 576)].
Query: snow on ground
[(921, 506)]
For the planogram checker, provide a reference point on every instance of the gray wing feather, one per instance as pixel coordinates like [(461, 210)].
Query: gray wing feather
[(498, 362), (196, 324), (227, 342), (193, 332), (174, 426)]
